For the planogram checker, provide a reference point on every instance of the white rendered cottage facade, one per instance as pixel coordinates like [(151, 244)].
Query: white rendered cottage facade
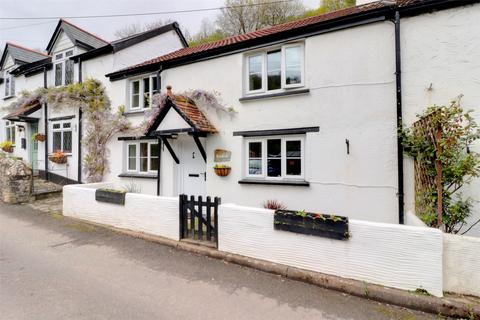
[(315, 100), (73, 54)]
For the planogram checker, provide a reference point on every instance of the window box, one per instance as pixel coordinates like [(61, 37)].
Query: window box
[(110, 196), (58, 158), (328, 226)]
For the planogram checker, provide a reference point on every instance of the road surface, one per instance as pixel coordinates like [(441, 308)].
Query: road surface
[(52, 267)]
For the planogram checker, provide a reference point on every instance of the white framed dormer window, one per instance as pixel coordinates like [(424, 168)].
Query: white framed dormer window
[(10, 131), (142, 157), (141, 92), (275, 158), (9, 85), (275, 70), (63, 68), (62, 136)]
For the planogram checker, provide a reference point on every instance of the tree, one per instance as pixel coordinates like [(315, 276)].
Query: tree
[(135, 28), (330, 5), (242, 16), (440, 142)]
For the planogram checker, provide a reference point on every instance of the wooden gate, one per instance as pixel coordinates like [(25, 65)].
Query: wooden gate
[(199, 218)]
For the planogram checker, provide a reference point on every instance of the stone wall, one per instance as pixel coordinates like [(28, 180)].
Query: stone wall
[(15, 180)]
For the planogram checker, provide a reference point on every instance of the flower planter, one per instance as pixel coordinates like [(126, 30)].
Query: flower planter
[(58, 160), (328, 226), (39, 137), (8, 149), (222, 172), (110, 196)]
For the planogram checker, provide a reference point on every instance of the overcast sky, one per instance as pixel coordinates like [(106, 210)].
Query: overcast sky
[(36, 36)]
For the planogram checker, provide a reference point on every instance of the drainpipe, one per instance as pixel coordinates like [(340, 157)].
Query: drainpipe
[(80, 133), (398, 76), (159, 140), (45, 85)]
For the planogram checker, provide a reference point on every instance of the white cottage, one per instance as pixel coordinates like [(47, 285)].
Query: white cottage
[(317, 102)]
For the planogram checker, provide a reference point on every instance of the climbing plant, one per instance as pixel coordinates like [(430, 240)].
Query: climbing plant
[(100, 122), (441, 144)]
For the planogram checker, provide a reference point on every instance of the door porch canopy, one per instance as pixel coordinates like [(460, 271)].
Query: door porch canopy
[(22, 114), (180, 115)]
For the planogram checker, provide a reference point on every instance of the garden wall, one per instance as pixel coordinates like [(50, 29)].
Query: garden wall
[(461, 264), (144, 213), (397, 256), (15, 180)]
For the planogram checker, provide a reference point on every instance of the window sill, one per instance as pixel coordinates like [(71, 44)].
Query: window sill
[(138, 175), (274, 95), (300, 183), (9, 97), (134, 112)]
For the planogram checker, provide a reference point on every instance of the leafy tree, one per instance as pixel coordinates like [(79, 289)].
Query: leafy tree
[(242, 16), (329, 5), (444, 150)]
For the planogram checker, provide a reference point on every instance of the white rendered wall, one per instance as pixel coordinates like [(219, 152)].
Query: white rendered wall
[(144, 213), (396, 256), (461, 264), (347, 100), (441, 49)]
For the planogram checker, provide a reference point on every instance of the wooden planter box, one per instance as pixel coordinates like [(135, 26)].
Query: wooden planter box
[(323, 225), (222, 172), (58, 160), (110, 196)]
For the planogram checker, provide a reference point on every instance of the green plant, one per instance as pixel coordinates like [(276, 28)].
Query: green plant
[(133, 187), (441, 143)]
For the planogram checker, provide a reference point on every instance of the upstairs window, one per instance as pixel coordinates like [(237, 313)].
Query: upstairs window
[(63, 68), (141, 92), (275, 70), (10, 131), (9, 85), (62, 136), (275, 158), (142, 157)]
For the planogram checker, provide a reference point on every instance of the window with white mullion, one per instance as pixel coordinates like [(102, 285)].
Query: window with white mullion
[(293, 65), (9, 84), (62, 136), (142, 157), (255, 163), (132, 157), (63, 68), (293, 157), (142, 91), (255, 70), (10, 131)]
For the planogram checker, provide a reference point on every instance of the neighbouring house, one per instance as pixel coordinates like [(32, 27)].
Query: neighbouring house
[(72, 54), (316, 105), (304, 112)]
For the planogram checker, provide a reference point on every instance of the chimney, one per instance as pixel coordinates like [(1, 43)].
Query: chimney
[(169, 92)]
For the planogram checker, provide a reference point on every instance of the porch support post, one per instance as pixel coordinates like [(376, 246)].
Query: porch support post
[(158, 165), (169, 147), (200, 146)]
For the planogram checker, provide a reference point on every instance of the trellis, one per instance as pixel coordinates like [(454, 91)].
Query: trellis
[(424, 180)]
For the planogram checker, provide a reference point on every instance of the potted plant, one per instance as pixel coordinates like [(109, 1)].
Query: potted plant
[(7, 146), (58, 157), (110, 196), (317, 224), (38, 137), (222, 170)]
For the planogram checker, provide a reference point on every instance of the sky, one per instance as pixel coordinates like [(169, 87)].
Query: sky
[(36, 33)]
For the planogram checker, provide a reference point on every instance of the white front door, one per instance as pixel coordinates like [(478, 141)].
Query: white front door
[(192, 167)]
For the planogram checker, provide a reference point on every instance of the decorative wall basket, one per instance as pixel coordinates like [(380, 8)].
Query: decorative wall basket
[(222, 171), (39, 137), (8, 149), (58, 159)]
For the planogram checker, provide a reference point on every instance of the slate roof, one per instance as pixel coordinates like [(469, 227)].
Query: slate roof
[(282, 31), (21, 54), (77, 35)]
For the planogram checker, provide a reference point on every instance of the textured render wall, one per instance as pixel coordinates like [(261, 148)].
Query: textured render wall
[(412, 220), (396, 256), (461, 264), (145, 213), (441, 49), (347, 100)]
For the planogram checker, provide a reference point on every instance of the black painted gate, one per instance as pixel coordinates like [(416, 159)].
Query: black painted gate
[(199, 218)]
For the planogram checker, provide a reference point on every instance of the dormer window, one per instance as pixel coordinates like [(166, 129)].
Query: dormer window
[(9, 85), (63, 67)]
